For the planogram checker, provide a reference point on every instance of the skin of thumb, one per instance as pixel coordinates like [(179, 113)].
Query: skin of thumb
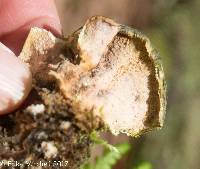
[(15, 80)]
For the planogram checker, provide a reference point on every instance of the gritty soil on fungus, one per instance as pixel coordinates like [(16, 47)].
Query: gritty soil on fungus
[(48, 136)]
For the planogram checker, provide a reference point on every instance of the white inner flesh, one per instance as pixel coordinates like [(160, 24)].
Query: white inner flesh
[(119, 91), (94, 38)]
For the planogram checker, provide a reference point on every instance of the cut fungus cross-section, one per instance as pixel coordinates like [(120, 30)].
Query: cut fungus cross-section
[(118, 77)]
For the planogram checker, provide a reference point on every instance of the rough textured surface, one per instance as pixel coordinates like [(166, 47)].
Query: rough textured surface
[(122, 82), (105, 75), (32, 139)]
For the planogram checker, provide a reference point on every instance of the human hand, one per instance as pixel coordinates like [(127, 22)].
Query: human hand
[(16, 19)]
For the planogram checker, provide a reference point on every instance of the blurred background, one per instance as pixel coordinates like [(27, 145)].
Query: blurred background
[(173, 27)]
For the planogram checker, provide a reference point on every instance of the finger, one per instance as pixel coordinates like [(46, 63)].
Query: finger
[(17, 17), (15, 81)]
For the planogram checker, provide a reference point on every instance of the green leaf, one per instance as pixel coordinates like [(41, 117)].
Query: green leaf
[(86, 166), (144, 165), (94, 136), (110, 158)]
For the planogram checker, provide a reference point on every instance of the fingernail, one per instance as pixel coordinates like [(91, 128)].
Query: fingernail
[(15, 80), (6, 49)]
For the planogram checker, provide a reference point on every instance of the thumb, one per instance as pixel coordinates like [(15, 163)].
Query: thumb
[(15, 80)]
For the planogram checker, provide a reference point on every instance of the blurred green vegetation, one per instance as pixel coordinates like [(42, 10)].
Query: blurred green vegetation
[(176, 36), (144, 165), (173, 27), (109, 158), (111, 155)]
